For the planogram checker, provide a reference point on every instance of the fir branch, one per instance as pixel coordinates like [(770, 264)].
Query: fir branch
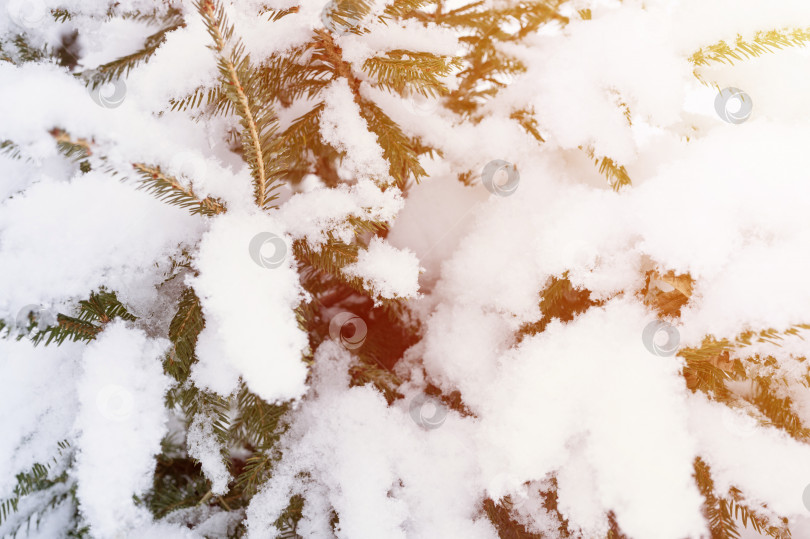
[(178, 482), (330, 259), (616, 174), (74, 149), (401, 152), (778, 410), (527, 121), (94, 313), (67, 328), (558, 300), (171, 191), (258, 122), (198, 96), (399, 9), (716, 509), (257, 422), (122, 66), (184, 331), (420, 71), (10, 149), (762, 43), (28, 53), (33, 481), (347, 14)]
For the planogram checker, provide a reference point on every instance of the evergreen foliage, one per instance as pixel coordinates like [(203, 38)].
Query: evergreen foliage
[(252, 92)]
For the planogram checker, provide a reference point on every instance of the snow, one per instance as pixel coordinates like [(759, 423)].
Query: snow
[(120, 424), (344, 128), (387, 271), (588, 403), (203, 446), (248, 300)]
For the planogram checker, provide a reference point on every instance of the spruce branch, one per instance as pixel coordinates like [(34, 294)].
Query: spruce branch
[(171, 191), (741, 49), (121, 67), (184, 330), (616, 174), (234, 66)]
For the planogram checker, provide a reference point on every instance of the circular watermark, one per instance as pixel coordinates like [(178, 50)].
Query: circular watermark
[(428, 412), (334, 22), (27, 13), (806, 497), (115, 402), (733, 105), (738, 422), (348, 329), (34, 316), (502, 188), (419, 105), (189, 164), (109, 95), (655, 332), (258, 250)]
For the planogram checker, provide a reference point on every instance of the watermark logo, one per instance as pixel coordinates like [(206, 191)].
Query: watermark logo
[(348, 329), (428, 412), (504, 184), (27, 13), (661, 338), (268, 250), (806, 497), (109, 95), (336, 22), (733, 105), (419, 105), (115, 402), (38, 315)]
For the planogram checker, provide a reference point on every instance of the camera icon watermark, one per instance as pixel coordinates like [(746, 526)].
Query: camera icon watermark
[(348, 329), (109, 95), (420, 105), (501, 186), (115, 402), (657, 331), (336, 23), (733, 105), (427, 412), (259, 246), (33, 316), (27, 13)]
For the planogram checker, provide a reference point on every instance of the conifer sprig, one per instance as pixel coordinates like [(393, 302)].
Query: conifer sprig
[(171, 191), (742, 49), (120, 67), (239, 86)]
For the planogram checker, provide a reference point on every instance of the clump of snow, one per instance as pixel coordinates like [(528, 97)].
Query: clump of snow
[(38, 404), (387, 271), (248, 292), (60, 239), (202, 445), (315, 214), (383, 473), (120, 424), (343, 127)]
